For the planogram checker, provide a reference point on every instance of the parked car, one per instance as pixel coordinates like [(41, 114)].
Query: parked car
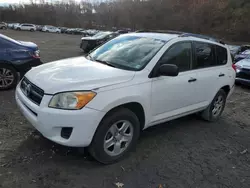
[(122, 31), (3, 25), (92, 32), (63, 29), (16, 58), (243, 71), (69, 31), (89, 43), (234, 49), (79, 32), (26, 27), (242, 55), (103, 101), (51, 29), (39, 27), (12, 25)]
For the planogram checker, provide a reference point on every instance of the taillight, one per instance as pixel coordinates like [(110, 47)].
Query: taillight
[(234, 67)]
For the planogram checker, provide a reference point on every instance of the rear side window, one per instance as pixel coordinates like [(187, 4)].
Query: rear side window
[(179, 54), (221, 54), (205, 55)]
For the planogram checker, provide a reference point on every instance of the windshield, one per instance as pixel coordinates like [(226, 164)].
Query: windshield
[(128, 52)]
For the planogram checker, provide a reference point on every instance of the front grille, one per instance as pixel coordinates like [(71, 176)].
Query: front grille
[(31, 91)]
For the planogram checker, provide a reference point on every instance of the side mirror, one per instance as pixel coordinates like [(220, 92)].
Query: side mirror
[(168, 70)]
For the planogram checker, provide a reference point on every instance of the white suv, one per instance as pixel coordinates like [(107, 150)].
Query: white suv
[(51, 29), (25, 27), (130, 83)]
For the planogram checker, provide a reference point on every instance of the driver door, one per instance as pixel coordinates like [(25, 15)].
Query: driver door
[(172, 96)]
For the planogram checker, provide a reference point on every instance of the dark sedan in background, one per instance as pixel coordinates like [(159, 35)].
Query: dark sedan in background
[(16, 58), (90, 43), (243, 71)]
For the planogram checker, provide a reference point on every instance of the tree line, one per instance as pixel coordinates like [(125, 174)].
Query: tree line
[(227, 19)]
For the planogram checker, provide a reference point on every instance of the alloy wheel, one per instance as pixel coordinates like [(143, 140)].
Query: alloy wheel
[(118, 138), (218, 106), (6, 77)]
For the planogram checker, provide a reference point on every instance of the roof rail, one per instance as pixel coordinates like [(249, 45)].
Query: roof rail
[(160, 31), (202, 37)]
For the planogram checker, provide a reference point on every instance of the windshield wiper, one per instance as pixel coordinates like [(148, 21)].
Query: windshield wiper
[(104, 62)]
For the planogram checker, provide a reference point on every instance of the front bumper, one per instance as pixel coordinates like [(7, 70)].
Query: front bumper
[(49, 122), (242, 81)]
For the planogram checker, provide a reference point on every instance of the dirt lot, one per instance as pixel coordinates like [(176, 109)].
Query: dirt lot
[(187, 152)]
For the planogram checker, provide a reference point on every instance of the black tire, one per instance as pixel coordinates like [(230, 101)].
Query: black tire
[(19, 29), (96, 148), (15, 75), (32, 30), (207, 114)]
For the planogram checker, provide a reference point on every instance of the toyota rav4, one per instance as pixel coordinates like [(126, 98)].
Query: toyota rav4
[(137, 80)]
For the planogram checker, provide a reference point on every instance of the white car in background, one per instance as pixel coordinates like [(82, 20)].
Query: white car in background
[(25, 27), (51, 29)]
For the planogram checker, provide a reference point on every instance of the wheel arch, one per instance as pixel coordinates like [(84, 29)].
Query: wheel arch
[(4, 62), (135, 107), (226, 89)]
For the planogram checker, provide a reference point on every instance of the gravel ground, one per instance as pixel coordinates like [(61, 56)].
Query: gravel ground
[(187, 152)]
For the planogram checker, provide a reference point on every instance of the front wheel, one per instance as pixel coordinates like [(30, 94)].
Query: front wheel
[(8, 77), (214, 110), (117, 133)]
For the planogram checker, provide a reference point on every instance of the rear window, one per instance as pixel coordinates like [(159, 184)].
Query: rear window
[(205, 55), (221, 55), (209, 55)]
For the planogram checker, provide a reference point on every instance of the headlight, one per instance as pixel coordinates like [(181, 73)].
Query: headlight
[(71, 100)]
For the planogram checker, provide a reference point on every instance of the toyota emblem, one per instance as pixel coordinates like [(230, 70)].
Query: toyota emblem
[(27, 89)]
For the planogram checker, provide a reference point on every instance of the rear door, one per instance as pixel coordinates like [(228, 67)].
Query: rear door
[(209, 73), (24, 27)]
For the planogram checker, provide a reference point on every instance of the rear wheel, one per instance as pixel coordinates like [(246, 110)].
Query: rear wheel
[(214, 110), (19, 29), (8, 77), (116, 135)]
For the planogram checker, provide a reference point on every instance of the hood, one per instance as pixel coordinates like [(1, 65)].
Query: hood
[(245, 63), (76, 74), (30, 45)]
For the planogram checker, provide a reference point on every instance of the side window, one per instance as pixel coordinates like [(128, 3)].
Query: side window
[(205, 55), (179, 54), (221, 54)]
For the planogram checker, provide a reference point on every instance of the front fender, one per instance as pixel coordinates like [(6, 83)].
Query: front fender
[(107, 100)]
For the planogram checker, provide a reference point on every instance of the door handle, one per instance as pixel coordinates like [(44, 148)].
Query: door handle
[(221, 75), (192, 80)]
